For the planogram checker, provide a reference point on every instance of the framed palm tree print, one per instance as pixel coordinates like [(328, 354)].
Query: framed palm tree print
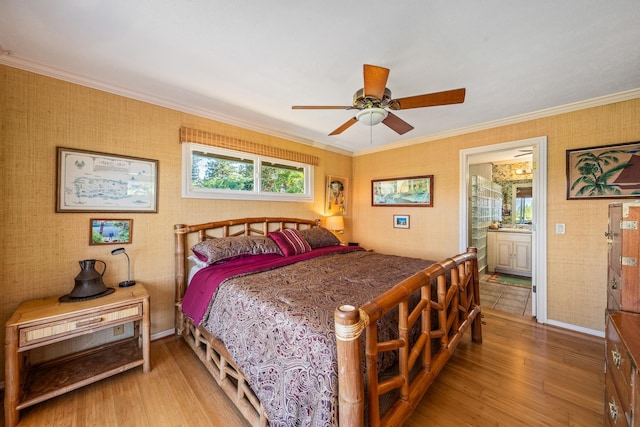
[(604, 172)]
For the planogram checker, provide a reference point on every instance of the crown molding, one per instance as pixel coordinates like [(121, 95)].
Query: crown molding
[(580, 105), (7, 58)]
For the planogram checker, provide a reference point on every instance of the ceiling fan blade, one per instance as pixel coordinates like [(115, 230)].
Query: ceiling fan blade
[(345, 126), (375, 80), (455, 96), (320, 107), (397, 124)]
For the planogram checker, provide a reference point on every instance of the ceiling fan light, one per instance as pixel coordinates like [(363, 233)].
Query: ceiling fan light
[(371, 116)]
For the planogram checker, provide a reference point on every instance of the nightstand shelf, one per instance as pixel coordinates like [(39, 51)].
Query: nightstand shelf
[(60, 376), (39, 323)]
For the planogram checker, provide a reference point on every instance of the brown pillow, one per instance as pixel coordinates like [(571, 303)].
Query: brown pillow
[(319, 237), (214, 251)]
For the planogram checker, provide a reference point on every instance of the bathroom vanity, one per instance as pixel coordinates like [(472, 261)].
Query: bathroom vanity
[(509, 251)]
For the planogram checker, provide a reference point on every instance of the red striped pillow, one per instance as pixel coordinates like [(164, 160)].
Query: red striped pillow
[(290, 241)]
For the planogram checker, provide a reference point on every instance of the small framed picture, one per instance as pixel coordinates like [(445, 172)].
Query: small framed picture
[(401, 221), (110, 231), (336, 196)]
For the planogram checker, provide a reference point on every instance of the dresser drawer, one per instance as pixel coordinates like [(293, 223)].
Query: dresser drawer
[(614, 290), (615, 413), (618, 360), (66, 328)]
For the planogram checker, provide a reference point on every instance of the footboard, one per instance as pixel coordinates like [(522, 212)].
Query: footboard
[(457, 307)]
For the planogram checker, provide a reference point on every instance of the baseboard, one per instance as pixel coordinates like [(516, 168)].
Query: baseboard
[(162, 334), (575, 328)]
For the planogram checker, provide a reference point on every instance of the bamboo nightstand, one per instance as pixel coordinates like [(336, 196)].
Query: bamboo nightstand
[(42, 322)]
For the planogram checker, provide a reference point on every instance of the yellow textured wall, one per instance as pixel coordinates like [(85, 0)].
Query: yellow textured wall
[(41, 248), (576, 261)]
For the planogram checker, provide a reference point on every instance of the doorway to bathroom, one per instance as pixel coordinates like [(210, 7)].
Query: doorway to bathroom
[(530, 219)]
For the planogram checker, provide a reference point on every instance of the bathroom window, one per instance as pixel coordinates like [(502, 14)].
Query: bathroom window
[(523, 204)]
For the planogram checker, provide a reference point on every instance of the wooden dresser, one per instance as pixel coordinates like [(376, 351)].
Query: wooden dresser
[(623, 236), (43, 322), (622, 348), (622, 334)]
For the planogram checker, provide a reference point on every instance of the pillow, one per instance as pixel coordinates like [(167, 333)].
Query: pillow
[(197, 261), (290, 242), (221, 249), (319, 237)]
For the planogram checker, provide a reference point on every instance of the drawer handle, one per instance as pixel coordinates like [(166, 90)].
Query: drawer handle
[(613, 284), (613, 410), (88, 322), (617, 358)]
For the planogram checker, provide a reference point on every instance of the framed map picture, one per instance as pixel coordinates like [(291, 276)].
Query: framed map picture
[(89, 181)]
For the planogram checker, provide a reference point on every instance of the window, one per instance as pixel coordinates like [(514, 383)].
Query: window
[(523, 203), (216, 173)]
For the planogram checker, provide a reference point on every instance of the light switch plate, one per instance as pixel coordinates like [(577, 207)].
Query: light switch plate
[(559, 228)]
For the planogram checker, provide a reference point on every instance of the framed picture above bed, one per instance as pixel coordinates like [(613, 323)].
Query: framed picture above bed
[(336, 195), (411, 191)]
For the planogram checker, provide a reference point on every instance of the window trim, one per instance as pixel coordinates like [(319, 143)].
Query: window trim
[(197, 193)]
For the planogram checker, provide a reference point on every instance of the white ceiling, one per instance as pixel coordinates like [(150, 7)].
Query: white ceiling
[(247, 62)]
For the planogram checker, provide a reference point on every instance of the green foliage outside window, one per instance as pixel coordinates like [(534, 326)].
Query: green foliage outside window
[(218, 172), (282, 179), (524, 210)]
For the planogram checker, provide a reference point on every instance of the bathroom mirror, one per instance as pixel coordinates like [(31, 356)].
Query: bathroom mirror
[(522, 204)]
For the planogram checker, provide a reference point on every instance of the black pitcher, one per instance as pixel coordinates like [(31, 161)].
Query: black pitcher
[(89, 282)]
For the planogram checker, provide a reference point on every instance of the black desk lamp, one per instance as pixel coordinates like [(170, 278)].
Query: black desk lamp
[(128, 282)]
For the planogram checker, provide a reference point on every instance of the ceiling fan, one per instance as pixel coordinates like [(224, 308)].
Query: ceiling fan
[(374, 102)]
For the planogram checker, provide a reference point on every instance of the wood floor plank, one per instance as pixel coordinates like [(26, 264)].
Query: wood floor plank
[(523, 374)]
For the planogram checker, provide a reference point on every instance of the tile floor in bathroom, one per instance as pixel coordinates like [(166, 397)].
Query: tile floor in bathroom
[(505, 298)]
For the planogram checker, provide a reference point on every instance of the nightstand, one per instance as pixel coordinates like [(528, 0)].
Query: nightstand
[(42, 322)]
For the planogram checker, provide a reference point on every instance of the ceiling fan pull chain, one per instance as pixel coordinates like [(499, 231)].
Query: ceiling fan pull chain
[(370, 134)]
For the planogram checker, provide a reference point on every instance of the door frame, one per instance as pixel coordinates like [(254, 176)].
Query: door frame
[(539, 228)]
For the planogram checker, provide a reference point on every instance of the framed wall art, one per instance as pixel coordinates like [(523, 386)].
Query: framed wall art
[(401, 221), (89, 181), (110, 231), (604, 172), (411, 191), (336, 195)]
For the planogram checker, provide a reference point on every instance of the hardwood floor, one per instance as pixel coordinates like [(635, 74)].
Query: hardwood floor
[(523, 374)]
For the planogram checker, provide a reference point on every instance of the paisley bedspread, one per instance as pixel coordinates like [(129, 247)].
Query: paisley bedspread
[(278, 327)]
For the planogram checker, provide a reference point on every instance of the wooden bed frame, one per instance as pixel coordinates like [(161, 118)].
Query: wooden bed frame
[(457, 307)]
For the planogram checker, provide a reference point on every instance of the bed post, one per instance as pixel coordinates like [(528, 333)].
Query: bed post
[(180, 260), (349, 325)]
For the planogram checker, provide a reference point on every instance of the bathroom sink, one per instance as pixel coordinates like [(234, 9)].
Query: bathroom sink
[(512, 230)]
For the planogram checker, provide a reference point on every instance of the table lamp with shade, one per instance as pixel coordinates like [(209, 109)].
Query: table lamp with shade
[(335, 224)]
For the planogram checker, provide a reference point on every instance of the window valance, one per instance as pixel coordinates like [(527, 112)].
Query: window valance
[(215, 140)]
